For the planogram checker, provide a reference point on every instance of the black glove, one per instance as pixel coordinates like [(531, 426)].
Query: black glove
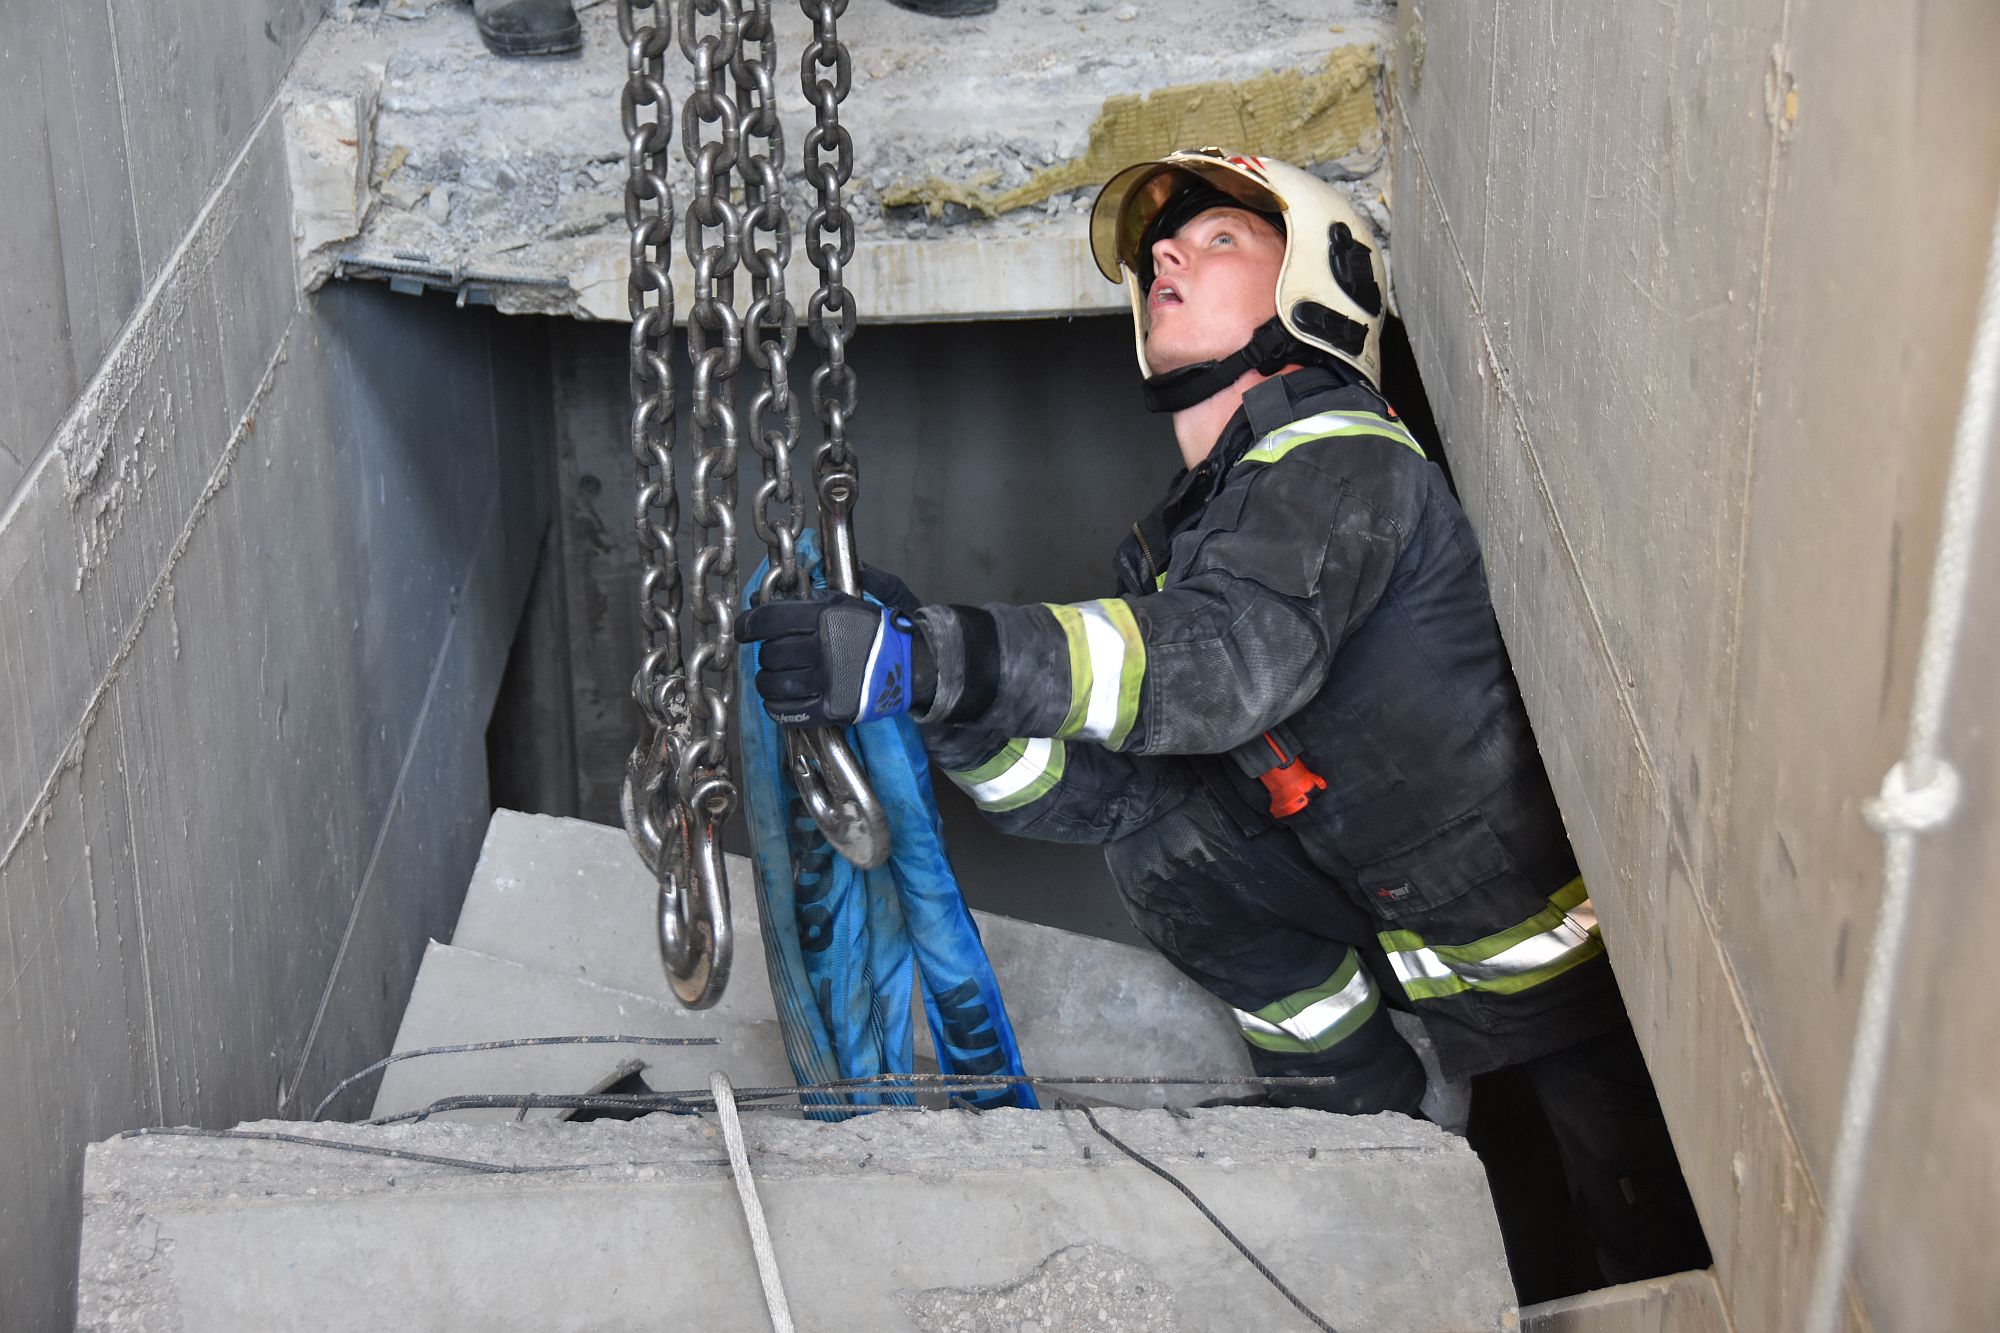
[(888, 589), (831, 661)]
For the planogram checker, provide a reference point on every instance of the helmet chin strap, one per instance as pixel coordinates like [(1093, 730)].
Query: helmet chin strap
[(1270, 349)]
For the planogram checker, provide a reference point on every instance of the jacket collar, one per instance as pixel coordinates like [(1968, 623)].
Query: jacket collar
[(1271, 405)]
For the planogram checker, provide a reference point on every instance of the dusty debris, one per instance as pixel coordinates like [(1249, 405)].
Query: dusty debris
[(978, 143)]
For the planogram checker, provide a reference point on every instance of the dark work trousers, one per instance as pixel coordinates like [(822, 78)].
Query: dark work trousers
[(1253, 921), (1617, 1159)]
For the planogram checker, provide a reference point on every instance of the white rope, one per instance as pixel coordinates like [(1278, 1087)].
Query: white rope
[(1917, 795), (753, 1207)]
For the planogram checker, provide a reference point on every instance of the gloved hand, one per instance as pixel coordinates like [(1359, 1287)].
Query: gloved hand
[(830, 661), (888, 589)]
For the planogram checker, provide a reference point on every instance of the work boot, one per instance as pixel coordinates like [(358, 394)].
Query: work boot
[(528, 27), (947, 9)]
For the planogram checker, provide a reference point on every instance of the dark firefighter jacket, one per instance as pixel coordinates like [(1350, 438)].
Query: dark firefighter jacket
[(1316, 579)]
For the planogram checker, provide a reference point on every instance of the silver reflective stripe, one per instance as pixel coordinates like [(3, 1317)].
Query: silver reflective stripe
[(1418, 965), (1107, 665), (1537, 951), (1327, 425), (1426, 973), (1036, 757), (1107, 672), (1319, 1017)]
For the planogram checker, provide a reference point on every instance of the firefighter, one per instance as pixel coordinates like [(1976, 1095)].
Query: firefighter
[(1294, 729)]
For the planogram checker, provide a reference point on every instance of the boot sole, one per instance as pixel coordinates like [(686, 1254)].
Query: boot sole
[(560, 43)]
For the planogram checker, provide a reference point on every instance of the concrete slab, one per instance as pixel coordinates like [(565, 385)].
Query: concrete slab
[(978, 144), (1678, 1303), (925, 1220), (462, 996), (569, 898)]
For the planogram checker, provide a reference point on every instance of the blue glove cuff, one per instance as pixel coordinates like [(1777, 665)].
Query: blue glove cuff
[(885, 686)]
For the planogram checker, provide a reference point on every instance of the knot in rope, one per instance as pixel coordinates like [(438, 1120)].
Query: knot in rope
[(1901, 807)]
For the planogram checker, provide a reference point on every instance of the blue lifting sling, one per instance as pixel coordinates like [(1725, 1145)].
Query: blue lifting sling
[(841, 942)]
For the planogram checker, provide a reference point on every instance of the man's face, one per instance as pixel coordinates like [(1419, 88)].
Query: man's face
[(1215, 281)]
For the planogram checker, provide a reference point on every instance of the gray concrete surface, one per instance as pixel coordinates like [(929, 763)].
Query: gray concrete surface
[(1702, 436), (258, 567), (464, 996), (556, 938), (1681, 1303), (929, 1220), (978, 144)]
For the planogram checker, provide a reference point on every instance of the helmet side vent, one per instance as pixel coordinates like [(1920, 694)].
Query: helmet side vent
[(1349, 258), (1345, 335)]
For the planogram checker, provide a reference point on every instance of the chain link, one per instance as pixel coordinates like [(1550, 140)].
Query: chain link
[(770, 323), (715, 350), (659, 687), (678, 788), (826, 73)]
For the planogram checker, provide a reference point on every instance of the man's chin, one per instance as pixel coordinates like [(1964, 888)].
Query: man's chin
[(1166, 360)]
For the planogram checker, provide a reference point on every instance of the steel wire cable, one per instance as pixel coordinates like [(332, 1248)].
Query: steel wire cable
[(1206, 1211), (508, 1043)]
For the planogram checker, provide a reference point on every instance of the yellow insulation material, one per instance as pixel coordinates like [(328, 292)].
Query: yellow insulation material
[(1300, 116)]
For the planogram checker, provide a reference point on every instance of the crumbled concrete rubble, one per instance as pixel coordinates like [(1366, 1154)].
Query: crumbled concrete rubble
[(978, 143)]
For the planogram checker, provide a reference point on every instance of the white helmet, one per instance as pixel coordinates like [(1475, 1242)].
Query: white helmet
[(1329, 293)]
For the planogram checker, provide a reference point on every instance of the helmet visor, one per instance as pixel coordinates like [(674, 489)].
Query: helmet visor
[(1129, 202)]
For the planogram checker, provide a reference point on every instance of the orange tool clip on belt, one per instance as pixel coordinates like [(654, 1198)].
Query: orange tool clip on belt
[(1289, 781)]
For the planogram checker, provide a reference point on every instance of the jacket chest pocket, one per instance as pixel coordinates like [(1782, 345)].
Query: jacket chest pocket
[(1281, 544), (1428, 886)]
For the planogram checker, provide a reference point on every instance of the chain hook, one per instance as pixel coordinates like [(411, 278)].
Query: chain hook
[(697, 939), (835, 792)]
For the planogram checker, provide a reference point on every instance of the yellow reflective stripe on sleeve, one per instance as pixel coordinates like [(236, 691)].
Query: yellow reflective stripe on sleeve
[(1543, 947), (1023, 772), (1107, 665), (1317, 1019), (1327, 426)]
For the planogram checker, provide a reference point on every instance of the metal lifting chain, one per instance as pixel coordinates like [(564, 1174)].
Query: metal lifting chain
[(680, 851), (829, 778), (678, 792), (826, 73), (779, 509)]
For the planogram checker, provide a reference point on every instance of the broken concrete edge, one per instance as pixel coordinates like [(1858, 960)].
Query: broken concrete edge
[(1009, 248), (1682, 1302), (218, 1231), (215, 1165)]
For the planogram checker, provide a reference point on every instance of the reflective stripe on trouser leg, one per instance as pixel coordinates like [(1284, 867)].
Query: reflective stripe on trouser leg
[(1317, 1019), (1107, 663), (1545, 946), (1022, 772)]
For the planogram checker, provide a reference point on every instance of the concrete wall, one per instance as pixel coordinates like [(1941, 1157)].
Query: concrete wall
[(259, 562), (1692, 289)]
